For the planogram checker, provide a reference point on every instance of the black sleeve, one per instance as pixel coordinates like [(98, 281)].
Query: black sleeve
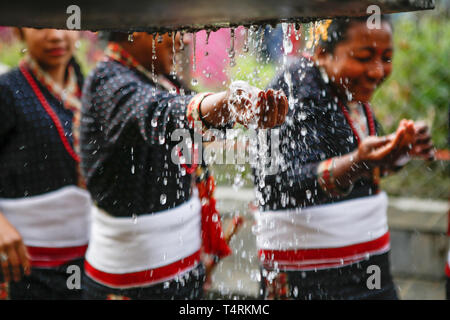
[(136, 109), (303, 145), (7, 112)]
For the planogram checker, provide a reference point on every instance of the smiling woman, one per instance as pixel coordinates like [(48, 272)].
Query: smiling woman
[(357, 59), (327, 200)]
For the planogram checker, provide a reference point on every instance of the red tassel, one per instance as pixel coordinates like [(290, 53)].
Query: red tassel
[(212, 234)]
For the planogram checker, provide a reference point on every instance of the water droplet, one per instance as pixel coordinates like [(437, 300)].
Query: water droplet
[(245, 47), (303, 131), (308, 194), (295, 291), (163, 199), (287, 43)]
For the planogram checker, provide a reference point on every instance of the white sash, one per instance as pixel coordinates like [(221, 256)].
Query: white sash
[(325, 226), (55, 219), (125, 245)]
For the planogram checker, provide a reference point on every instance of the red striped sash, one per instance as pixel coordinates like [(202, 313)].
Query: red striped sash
[(145, 277), (319, 258), (54, 257)]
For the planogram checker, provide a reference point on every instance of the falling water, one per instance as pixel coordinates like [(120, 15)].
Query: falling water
[(287, 49), (194, 80), (297, 31), (132, 160), (231, 49), (181, 40), (173, 73), (154, 78), (245, 47), (261, 38), (208, 33)]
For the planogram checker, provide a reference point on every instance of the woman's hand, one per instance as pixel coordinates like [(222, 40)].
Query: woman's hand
[(249, 105), (422, 146), (375, 149), (245, 104), (13, 254)]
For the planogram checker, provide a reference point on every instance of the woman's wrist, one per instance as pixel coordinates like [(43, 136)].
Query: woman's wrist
[(214, 109)]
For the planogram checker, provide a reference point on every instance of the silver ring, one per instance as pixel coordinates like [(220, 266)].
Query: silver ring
[(3, 257)]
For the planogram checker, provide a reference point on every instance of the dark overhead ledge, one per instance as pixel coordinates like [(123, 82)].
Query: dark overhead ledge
[(166, 15)]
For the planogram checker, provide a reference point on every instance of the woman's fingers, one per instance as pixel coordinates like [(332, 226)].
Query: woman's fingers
[(283, 106), (423, 150), (14, 263), (272, 109), (24, 258), (379, 153), (373, 142), (422, 139), (261, 107), (4, 262), (420, 127)]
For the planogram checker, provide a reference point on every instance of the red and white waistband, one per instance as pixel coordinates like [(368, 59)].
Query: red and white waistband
[(324, 236), (54, 226), (148, 249)]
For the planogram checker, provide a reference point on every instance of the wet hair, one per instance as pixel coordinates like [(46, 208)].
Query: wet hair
[(337, 31)]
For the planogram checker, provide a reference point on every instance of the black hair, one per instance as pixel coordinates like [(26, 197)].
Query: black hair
[(337, 31)]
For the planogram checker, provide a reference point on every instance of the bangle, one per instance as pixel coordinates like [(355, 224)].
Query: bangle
[(328, 182), (193, 109)]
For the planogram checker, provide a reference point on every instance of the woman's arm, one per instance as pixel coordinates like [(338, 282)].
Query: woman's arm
[(136, 109)]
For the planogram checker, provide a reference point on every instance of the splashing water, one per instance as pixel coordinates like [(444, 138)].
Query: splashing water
[(287, 49)]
